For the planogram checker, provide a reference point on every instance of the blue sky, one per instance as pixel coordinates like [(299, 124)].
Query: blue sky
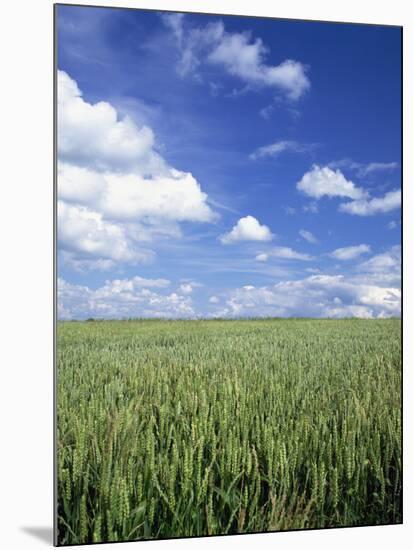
[(226, 166)]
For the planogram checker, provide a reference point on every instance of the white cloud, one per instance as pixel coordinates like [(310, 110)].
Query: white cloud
[(85, 231), (238, 53), (350, 252), (311, 207), (193, 43), (283, 252), (308, 236), (176, 197), (382, 269), (368, 207), (76, 262), (324, 182), (186, 288), (121, 298), (93, 135), (263, 257), (365, 169), (114, 189), (275, 149), (386, 262), (247, 229), (392, 225), (379, 167), (266, 112), (371, 290), (175, 22), (314, 296), (137, 282), (139, 188), (244, 58), (79, 184)]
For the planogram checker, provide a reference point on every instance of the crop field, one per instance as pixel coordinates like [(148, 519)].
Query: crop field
[(192, 428)]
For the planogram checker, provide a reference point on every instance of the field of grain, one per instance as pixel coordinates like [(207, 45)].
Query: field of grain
[(189, 428)]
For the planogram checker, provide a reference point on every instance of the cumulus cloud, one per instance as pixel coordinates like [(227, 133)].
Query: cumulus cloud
[(275, 149), (82, 263), (378, 205), (315, 296), (85, 231), (114, 188), (239, 54), (243, 57), (122, 298), (118, 285), (385, 262), (383, 269), (324, 182), (371, 289), (350, 252), (176, 196), (247, 229), (283, 252), (188, 286), (79, 185), (93, 135), (308, 236)]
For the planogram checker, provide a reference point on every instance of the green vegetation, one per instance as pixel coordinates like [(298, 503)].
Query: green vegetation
[(188, 428)]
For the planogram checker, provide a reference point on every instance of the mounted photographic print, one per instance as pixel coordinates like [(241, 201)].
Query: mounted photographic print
[(228, 274)]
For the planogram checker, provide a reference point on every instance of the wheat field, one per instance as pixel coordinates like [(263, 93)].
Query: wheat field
[(192, 428)]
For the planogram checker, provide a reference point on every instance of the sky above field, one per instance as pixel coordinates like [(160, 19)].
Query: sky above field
[(220, 166)]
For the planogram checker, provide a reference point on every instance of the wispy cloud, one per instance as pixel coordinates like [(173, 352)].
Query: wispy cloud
[(311, 207), (363, 169), (283, 252), (239, 54), (266, 111), (350, 252), (275, 149), (392, 225), (308, 236), (379, 167)]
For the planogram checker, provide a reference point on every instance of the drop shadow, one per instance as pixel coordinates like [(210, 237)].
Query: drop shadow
[(45, 534)]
